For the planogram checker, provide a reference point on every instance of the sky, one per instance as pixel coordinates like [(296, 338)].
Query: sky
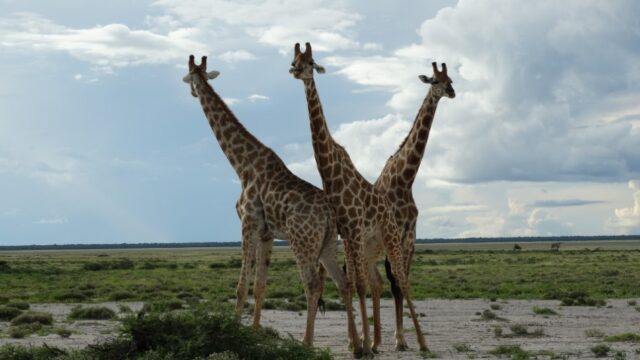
[(101, 141)]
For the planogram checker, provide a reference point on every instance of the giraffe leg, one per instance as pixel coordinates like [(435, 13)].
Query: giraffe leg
[(249, 242), (263, 259), (311, 278), (398, 268), (401, 343), (375, 282), (330, 263), (361, 278)]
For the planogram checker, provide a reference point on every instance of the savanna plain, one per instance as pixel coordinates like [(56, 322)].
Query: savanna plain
[(475, 301)]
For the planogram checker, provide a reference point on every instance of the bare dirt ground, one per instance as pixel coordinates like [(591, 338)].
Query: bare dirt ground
[(447, 323)]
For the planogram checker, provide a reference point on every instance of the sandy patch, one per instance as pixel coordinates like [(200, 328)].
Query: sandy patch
[(446, 322)]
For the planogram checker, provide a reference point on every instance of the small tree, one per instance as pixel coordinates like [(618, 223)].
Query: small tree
[(555, 246), (517, 247)]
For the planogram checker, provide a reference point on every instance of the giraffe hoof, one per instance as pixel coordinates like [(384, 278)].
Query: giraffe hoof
[(357, 354), (402, 347)]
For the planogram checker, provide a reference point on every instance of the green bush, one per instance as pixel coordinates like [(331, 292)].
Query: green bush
[(601, 350), (92, 313), (7, 313), (544, 311), (626, 337), (121, 295), (19, 305), (4, 266), (73, 295), (31, 317)]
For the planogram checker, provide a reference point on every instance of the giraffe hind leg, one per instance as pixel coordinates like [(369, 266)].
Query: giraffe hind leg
[(263, 259), (401, 342)]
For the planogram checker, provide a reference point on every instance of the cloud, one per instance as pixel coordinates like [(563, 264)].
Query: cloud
[(105, 47), (236, 56), (257, 97), (627, 220), (456, 208), (565, 203), (278, 23), (52, 221), (535, 103), (230, 101)]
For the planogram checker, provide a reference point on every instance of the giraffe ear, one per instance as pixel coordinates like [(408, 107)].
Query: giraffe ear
[(212, 74), (187, 78), (319, 69), (427, 80)]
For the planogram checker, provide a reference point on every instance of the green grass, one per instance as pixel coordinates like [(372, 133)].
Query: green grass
[(577, 277), (625, 337), (515, 352), (7, 313), (544, 311)]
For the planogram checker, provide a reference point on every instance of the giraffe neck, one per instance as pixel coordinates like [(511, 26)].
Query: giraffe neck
[(236, 142), (406, 161), (323, 143)]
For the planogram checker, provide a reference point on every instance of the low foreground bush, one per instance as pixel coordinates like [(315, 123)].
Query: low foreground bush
[(185, 334), (92, 313)]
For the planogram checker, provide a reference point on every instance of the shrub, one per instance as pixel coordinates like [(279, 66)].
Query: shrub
[(73, 295), (19, 305), (4, 266), (92, 313), (600, 350), (514, 351), (594, 333), (63, 333), (21, 331), (625, 337), (462, 347), (495, 307), (31, 317), (516, 247), (121, 295), (519, 329), (94, 266), (7, 313), (632, 302), (544, 311), (164, 305)]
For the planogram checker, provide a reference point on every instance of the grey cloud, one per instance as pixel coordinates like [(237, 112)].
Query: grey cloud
[(564, 203)]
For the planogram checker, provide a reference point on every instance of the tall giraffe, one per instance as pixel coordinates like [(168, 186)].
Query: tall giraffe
[(364, 215), (398, 174), (274, 203)]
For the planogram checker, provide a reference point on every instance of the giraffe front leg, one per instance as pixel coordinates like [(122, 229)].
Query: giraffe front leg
[(376, 291), (263, 259), (398, 268), (249, 241), (401, 342)]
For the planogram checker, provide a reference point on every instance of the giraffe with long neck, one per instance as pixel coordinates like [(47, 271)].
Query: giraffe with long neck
[(399, 173), (274, 203), (365, 216)]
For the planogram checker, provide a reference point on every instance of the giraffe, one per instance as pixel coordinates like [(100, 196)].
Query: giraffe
[(364, 215), (399, 172), (274, 203)]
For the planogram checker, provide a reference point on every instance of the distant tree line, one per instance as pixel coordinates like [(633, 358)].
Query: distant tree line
[(472, 240)]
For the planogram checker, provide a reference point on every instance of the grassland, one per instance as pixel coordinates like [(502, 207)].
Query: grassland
[(591, 271)]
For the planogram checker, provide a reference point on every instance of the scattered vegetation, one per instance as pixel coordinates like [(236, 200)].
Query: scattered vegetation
[(513, 351), (7, 313), (625, 337), (632, 302), (191, 334), (31, 317), (428, 354), (544, 311), (488, 315), (522, 330), (575, 298), (462, 347), (600, 350), (594, 333), (495, 306), (92, 313)]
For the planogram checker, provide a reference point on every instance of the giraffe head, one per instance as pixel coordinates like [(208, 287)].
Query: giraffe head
[(198, 73), (440, 82), (303, 65)]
